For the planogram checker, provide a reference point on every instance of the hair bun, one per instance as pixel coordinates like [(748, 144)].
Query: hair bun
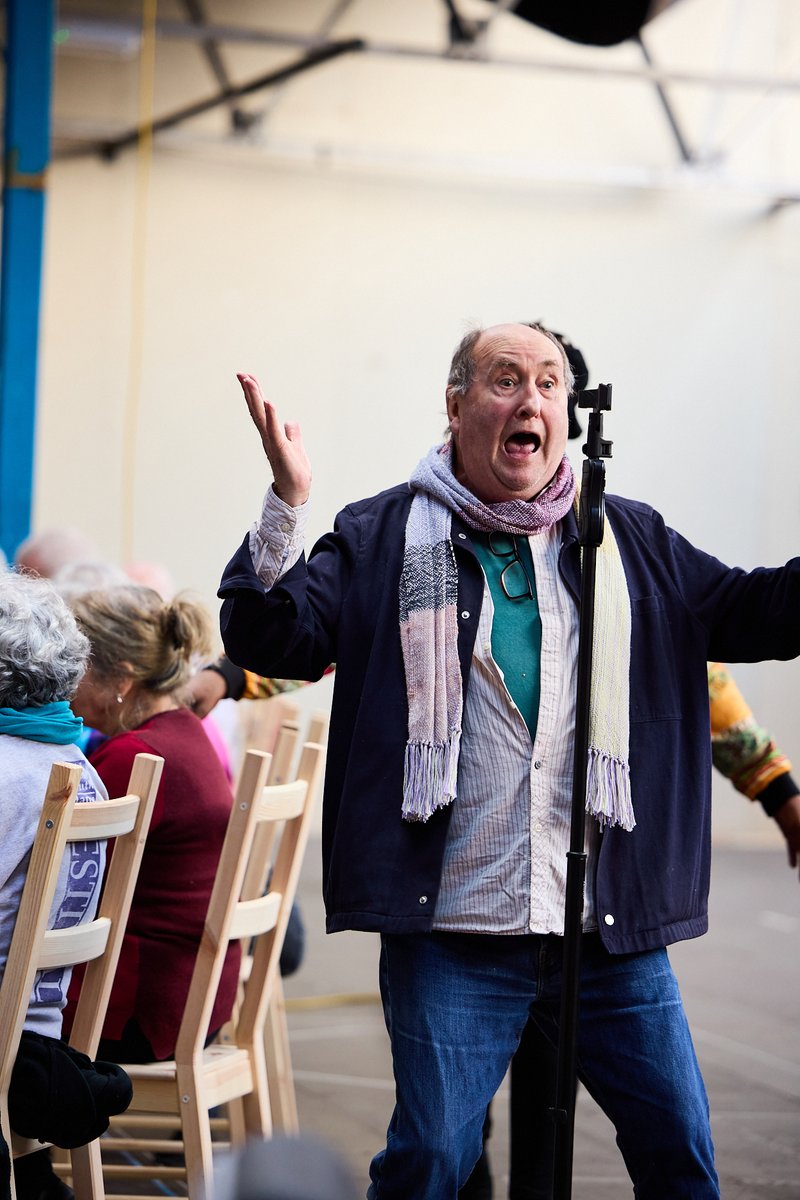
[(174, 627)]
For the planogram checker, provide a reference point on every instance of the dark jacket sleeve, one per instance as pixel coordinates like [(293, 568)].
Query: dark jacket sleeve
[(741, 616), (290, 630)]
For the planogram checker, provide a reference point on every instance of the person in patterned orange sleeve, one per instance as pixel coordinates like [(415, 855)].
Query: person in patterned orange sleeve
[(223, 680), (747, 754)]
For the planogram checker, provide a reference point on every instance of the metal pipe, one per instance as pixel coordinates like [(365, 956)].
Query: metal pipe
[(179, 30)]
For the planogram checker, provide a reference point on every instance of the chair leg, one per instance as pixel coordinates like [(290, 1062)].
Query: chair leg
[(7, 1166), (196, 1137), (279, 1064), (256, 1104), (87, 1172), (236, 1125)]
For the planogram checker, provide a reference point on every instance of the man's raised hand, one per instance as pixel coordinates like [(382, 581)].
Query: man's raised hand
[(283, 444)]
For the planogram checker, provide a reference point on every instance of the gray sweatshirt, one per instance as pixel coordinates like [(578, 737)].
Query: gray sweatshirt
[(24, 772)]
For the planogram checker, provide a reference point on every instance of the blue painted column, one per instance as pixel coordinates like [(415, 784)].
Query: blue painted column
[(26, 153)]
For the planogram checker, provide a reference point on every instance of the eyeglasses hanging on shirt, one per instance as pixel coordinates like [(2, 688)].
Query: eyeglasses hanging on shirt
[(514, 579)]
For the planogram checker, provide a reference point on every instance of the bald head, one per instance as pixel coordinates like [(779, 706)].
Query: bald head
[(47, 552), (462, 366)]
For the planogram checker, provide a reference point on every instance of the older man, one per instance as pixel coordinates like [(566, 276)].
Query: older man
[(449, 604)]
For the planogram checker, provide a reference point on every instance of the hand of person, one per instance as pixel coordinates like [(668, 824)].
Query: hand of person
[(205, 690), (788, 818), (283, 444)]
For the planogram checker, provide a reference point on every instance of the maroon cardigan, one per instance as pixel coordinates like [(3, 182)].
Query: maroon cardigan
[(175, 878)]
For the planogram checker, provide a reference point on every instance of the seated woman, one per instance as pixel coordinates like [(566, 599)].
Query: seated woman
[(43, 655), (141, 658)]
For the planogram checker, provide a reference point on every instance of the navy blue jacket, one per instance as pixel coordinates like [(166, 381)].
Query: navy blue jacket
[(342, 606)]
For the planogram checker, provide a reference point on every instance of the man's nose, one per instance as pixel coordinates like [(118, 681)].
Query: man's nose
[(530, 402)]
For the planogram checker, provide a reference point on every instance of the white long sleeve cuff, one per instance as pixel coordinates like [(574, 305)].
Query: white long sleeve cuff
[(277, 540)]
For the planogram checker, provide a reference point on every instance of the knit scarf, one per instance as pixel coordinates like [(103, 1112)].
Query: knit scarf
[(55, 723), (429, 637)]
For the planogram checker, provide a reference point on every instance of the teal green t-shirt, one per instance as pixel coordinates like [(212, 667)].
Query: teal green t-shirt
[(517, 625)]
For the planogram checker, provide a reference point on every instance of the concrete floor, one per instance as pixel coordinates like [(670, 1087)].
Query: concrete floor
[(741, 986)]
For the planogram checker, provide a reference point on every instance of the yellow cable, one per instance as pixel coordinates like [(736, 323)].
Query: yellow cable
[(333, 1000), (144, 154)]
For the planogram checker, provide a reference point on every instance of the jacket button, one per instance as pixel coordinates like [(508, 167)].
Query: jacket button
[(537, 765), (465, 615), (423, 899), (608, 918)]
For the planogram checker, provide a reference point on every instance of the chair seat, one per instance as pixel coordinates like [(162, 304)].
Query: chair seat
[(21, 1146), (226, 1072)]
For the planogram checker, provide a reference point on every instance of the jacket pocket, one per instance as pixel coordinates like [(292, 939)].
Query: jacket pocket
[(655, 689)]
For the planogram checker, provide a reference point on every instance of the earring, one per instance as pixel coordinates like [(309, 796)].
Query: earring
[(119, 699)]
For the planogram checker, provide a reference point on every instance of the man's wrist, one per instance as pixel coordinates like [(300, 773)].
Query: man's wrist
[(291, 498), (233, 676)]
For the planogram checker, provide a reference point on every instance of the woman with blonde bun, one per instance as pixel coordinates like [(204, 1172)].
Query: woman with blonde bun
[(142, 654)]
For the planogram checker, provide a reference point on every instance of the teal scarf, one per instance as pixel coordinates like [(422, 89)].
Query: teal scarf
[(54, 722)]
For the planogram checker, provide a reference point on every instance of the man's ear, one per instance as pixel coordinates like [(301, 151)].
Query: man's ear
[(453, 410)]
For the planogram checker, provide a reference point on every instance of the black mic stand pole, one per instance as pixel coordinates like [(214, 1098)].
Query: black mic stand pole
[(591, 520)]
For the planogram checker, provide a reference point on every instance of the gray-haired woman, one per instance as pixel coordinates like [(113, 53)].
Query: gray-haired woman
[(43, 657)]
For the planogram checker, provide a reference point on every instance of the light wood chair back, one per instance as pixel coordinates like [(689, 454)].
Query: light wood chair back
[(282, 1094), (199, 1078), (318, 727), (34, 947), (260, 721), (260, 862), (284, 751), (283, 1099)]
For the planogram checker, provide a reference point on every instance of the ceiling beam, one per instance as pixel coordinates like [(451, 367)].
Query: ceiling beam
[(179, 30), (240, 119), (111, 148), (669, 112)]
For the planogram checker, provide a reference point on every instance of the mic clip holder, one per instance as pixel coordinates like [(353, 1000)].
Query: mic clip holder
[(591, 510)]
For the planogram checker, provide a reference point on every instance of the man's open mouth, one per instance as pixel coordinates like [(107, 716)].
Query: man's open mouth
[(522, 443)]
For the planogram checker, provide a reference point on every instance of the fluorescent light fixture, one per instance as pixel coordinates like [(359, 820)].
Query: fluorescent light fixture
[(87, 37)]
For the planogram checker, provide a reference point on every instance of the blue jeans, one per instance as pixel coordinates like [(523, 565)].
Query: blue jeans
[(455, 1007)]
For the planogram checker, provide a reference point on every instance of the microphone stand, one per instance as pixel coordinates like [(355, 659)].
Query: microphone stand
[(591, 520)]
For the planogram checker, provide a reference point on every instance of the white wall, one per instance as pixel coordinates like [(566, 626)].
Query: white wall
[(346, 290)]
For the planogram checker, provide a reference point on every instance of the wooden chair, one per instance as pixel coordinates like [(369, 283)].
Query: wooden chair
[(276, 1031), (318, 727), (261, 720), (97, 942), (234, 1070), (280, 1080), (284, 751)]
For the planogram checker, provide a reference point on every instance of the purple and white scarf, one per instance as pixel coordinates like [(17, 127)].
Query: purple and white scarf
[(429, 636)]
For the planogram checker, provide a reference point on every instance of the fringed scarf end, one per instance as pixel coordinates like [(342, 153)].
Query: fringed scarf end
[(608, 790), (429, 776)]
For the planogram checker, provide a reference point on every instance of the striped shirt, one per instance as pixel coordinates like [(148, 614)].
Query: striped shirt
[(505, 858)]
